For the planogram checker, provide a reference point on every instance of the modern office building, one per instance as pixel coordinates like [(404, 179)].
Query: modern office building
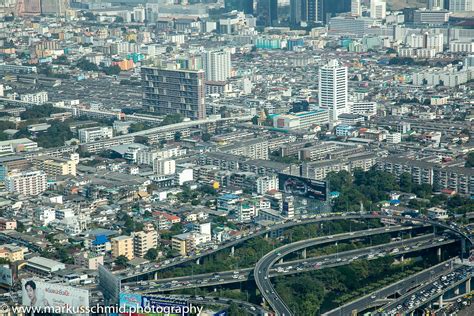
[(174, 91), (26, 182), (267, 12), (245, 6), (333, 87), (330, 8), (303, 11), (217, 65)]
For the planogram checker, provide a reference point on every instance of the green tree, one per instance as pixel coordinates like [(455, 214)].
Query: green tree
[(86, 65), (171, 119), (151, 254), (470, 160), (339, 180), (55, 135), (234, 310), (121, 261), (112, 70), (177, 136), (206, 137), (406, 183)]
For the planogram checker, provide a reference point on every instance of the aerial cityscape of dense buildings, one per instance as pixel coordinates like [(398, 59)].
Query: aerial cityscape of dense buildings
[(236, 157)]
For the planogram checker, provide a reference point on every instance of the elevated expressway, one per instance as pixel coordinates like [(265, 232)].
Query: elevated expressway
[(263, 267), (397, 248), (148, 271)]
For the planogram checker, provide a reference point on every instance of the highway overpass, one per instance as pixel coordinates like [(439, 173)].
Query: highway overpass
[(397, 248), (262, 268), (148, 270)]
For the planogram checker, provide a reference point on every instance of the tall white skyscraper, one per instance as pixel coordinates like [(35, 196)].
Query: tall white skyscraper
[(217, 65), (356, 9), (333, 89), (461, 5), (378, 9)]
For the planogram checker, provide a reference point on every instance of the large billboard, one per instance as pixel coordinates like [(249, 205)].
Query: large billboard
[(303, 187), (138, 305), (6, 277), (56, 296)]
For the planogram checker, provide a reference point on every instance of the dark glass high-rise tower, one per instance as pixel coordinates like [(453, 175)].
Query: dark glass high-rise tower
[(267, 12), (245, 6)]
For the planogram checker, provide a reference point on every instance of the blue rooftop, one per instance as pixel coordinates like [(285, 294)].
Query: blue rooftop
[(100, 240), (229, 196)]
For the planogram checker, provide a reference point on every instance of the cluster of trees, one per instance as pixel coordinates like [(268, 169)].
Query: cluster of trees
[(171, 119), (245, 256), (313, 292), (364, 187), (55, 136), (39, 111), (470, 160), (130, 225), (3, 126), (139, 126), (86, 65)]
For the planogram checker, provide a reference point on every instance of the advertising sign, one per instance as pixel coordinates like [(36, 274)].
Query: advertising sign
[(43, 294), (303, 187), (137, 305)]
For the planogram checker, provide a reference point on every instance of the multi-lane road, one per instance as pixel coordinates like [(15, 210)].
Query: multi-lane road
[(401, 287), (150, 269), (396, 248), (263, 267), (428, 291)]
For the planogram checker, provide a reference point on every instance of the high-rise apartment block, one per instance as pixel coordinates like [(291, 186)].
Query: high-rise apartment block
[(174, 91), (26, 183), (217, 65), (333, 87)]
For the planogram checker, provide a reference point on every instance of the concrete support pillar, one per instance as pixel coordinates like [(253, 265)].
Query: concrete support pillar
[(463, 248), (281, 261), (456, 291), (266, 236), (198, 261), (438, 252), (232, 251), (468, 286), (303, 254), (155, 276), (440, 301), (434, 229), (402, 258)]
